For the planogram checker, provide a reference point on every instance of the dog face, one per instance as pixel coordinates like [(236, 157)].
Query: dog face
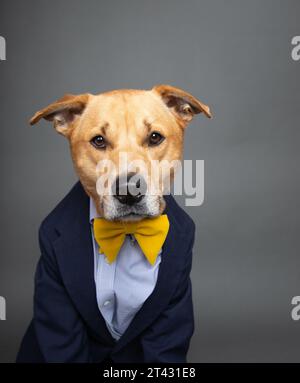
[(125, 144)]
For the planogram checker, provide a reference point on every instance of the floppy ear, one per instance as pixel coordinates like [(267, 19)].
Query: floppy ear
[(63, 112), (182, 103)]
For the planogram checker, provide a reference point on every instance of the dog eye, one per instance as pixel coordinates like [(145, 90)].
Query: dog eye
[(155, 139), (98, 142)]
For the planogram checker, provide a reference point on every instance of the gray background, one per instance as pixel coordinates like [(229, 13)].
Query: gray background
[(235, 56)]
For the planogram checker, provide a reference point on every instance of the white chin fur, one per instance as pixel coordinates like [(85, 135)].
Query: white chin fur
[(147, 207)]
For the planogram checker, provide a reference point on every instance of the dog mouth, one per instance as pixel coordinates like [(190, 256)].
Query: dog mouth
[(133, 215), (146, 208)]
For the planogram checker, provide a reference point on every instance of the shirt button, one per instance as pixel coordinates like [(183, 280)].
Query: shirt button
[(106, 303)]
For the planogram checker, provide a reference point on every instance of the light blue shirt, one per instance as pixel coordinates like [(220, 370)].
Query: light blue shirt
[(122, 286)]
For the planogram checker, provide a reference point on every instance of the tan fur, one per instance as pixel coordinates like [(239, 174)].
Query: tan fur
[(125, 118)]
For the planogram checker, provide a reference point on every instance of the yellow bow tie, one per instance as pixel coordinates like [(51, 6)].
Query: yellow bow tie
[(150, 234)]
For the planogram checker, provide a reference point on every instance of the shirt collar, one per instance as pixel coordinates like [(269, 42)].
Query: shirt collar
[(93, 210)]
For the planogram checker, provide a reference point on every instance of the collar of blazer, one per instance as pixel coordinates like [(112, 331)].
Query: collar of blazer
[(74, 253)]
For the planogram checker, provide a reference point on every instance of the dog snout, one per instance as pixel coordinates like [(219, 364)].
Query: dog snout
[(130, 189)]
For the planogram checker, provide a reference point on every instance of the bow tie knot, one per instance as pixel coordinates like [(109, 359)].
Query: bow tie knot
[(150, 234), (130, 227)]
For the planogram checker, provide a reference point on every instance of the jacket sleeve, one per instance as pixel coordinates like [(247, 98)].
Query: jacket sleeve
[(167, 339), (59, 329)]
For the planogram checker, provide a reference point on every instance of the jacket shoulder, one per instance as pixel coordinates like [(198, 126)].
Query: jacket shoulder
[(183, 220), (49, 223)]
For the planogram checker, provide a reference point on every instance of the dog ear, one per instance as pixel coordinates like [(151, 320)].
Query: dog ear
[(182, 104), (63, 112)]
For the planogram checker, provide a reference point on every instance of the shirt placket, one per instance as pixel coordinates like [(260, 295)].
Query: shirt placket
[(106, 294)]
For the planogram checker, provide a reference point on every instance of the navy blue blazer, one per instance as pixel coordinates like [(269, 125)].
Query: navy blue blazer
[(67, 325)]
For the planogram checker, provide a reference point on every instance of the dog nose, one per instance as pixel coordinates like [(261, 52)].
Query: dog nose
[(130, 188)]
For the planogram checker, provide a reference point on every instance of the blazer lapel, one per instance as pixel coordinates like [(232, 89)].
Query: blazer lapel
[(74, 252)]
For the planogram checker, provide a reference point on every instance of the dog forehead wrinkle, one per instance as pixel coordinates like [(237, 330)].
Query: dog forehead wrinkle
[(148, 125), (126, 112), (104, 128)]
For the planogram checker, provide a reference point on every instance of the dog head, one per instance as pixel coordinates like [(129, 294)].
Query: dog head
[(125, 144)]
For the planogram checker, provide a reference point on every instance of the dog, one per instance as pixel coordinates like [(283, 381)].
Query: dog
[(151, 318)]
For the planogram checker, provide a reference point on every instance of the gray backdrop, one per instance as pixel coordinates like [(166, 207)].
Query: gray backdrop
[(236, 57)]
